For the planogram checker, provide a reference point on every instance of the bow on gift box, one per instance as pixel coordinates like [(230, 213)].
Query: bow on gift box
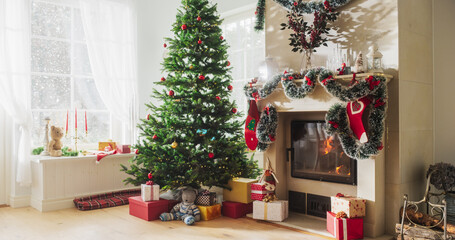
[(269, 187), (268, 172), (341, 215), (149, 183)]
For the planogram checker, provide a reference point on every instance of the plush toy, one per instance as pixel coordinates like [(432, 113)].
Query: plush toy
[(55, 145), (186, 211)]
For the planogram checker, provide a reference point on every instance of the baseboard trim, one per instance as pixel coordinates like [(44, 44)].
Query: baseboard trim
[(62, 203), (19, 201)]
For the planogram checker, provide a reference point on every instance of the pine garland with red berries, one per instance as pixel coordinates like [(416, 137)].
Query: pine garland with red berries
[(267, 125)]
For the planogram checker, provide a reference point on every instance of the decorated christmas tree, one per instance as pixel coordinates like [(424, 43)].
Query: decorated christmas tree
[(194, 137)]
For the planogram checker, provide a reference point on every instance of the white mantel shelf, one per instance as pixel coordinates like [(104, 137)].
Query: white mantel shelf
[(56, 181)]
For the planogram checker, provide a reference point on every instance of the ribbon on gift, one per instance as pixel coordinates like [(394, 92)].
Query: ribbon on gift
[(265, 211), (149, 183), (345, 227)]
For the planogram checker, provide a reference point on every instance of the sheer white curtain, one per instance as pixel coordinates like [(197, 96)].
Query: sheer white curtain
[(15, 77), (110, 30)]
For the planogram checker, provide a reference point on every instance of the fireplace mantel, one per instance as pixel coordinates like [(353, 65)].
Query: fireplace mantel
[(318, 101)]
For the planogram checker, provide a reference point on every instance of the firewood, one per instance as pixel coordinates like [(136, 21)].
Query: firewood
[(427, 220)]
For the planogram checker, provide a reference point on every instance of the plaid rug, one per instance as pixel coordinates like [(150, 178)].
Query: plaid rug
[(105, 200)]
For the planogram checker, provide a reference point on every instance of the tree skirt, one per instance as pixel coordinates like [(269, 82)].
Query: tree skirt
[(105, 200)]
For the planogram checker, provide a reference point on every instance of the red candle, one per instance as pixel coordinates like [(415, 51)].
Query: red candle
[(85, 122), (75, 117), (67, 113)]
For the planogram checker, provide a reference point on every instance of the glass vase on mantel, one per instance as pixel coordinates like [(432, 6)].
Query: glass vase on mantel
[(306, 60)]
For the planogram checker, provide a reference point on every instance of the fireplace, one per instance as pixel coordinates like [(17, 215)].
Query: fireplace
[(318, 156)]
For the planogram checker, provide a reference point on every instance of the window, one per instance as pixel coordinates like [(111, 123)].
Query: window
[(246, 51), (61, 75)]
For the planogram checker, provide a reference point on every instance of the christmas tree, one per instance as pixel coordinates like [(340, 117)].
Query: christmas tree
[(194, 138)]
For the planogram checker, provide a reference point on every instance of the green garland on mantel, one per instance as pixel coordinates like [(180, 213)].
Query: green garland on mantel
[(337, 122), (304, 8), (373, 87)]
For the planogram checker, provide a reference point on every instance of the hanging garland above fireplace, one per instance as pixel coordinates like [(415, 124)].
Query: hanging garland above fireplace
[(370, 92), (374, 90)]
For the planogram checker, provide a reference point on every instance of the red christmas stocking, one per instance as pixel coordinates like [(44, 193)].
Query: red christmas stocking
[(355, 111), (250, 126)]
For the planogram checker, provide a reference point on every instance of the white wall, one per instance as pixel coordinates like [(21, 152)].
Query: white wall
[(154, 23), (444, 83)]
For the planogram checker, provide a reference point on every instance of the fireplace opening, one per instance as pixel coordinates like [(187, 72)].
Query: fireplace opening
[(318, 156)]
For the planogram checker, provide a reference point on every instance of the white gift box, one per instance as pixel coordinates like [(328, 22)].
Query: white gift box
[(273, 211), (150, 192)]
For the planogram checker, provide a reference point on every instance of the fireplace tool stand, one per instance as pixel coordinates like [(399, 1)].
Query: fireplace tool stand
[(434, 208)]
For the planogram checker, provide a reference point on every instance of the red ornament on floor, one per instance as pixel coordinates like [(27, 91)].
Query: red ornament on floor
[(155, 137), (211, 155), (171, 93), (201, 77), (230, 87), (184, 27)]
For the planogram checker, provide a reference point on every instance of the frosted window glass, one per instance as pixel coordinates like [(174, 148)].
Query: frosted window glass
[(50, 56), (51, 20), (50, 92)]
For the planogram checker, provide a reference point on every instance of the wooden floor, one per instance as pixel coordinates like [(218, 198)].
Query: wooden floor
[(116, 223)]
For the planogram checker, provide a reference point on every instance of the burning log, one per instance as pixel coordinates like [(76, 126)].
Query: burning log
[(427, 220)]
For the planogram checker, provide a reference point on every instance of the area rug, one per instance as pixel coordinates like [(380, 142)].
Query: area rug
[(105, 200)]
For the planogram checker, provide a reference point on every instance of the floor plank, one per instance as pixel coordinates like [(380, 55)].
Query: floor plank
[(116, 223)]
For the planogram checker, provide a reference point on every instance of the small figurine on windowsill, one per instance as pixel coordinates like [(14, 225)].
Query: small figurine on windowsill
[(55, 145)]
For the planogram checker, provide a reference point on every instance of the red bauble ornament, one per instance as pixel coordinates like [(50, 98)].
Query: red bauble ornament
[(165, 45), (218, 98), (221, 37), (184, 27), (148, 116), (211, 155), (256, 13), (171, 93), (150, 176), (201, 77), (199, 42), (137, 151), (230, 87), (234, 110), (291, 77), (155, 137), (198, 18), (296, 3), (163, 79), (228, 63)]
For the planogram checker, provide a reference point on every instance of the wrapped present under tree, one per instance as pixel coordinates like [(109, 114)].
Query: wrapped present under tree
[(344, 228)]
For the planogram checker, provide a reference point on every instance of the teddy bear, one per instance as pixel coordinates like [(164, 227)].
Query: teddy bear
[(186, 211), (55, 145)]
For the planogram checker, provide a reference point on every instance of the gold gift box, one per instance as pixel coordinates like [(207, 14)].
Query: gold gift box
[(102, 145), (241, 190), (210, 212)]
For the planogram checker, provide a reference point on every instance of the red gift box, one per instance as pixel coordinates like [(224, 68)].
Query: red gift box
[(122, 148), (236, 210), (344, 228), (147, 210), (258, 191)]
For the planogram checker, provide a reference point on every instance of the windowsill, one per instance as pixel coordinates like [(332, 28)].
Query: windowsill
[(44, 159)]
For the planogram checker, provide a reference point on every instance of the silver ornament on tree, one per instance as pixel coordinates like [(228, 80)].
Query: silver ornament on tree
[(358, 66), (45, 152)]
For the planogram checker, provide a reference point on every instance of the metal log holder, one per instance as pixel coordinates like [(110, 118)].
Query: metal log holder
[(435, 209)]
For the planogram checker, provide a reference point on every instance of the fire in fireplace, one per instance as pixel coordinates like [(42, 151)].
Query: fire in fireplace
[(318, 156)]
